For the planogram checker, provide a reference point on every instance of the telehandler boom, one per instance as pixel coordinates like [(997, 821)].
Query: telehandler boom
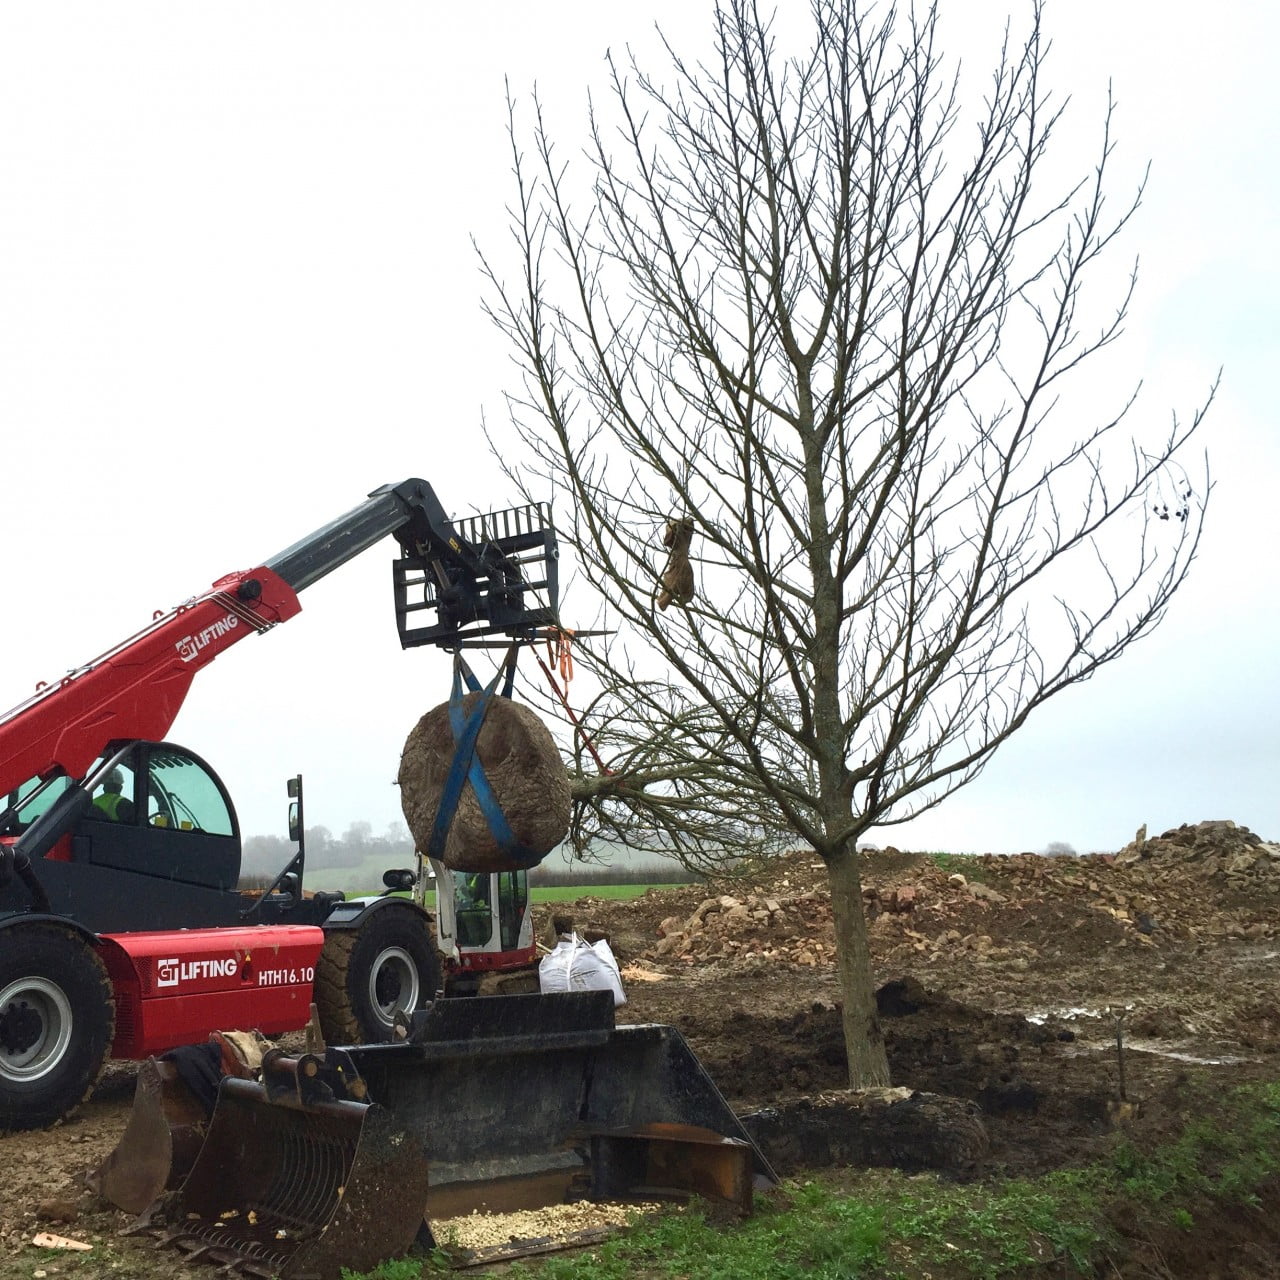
[(122, 931)]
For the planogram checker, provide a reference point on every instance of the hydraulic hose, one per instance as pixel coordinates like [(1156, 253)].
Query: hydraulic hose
[(20, 861)]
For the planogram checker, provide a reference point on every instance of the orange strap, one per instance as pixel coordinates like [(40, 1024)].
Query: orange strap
[(560, 654)]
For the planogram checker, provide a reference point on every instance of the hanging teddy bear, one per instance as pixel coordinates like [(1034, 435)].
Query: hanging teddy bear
[(677, 577)]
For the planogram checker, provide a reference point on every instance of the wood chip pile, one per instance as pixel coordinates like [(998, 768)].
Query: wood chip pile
[(556, 1222)]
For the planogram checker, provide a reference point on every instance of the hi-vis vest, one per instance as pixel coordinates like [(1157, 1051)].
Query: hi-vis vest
[(109, 802)]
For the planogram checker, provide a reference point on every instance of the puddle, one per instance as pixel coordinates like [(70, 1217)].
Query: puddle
[(1196, 1056), (1181, 1055), (1041, 1016)]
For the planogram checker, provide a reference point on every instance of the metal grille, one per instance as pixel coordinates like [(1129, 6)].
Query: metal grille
[(262, 1211), (509, 585)]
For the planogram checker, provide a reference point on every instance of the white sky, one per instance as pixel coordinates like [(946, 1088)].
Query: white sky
[(237, 292)]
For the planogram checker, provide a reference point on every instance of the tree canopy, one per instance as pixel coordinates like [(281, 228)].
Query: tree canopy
[(804, 344)]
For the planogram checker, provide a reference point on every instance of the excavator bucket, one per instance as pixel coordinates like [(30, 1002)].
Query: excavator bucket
[(300, 1187), (486, 1104), (160, 1143), (525, 1101)]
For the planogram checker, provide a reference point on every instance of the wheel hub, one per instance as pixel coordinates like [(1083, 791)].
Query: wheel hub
[(388, 986), (393, 984), (21, 1027), (35, 1028)]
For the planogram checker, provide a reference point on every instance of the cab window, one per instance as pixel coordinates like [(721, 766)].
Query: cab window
[(29, 806), (473, 916), (182, 795), (513, 896)]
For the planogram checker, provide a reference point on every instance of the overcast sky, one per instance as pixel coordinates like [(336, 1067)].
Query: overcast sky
[(237, 292)]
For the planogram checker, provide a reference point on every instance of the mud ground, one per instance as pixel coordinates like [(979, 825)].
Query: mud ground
[(1005, 996)]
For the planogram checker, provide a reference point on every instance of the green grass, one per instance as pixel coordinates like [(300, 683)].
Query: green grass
[(969, 865), (883, 1225), (952, 862), (1223, 1162), (571, 893)]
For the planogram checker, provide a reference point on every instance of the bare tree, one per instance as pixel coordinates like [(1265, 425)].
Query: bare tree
[(817, 307)]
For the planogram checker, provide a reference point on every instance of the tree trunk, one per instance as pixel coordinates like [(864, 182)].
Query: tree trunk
[(864, 1041)]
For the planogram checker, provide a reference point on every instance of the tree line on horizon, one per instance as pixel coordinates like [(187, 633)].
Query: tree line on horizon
[(264, 855)]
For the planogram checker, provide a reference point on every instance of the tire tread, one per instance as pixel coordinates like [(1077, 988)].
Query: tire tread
[(337, 996), (32, 1116), (333, 1003)]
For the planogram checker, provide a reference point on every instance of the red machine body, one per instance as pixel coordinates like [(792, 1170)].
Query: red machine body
[(171, 987), (497, 961), (137, 689)]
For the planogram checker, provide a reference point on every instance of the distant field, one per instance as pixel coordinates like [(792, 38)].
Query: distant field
[(572, 892), (353, 881), (553, 893), (367, 878), (569, 893)]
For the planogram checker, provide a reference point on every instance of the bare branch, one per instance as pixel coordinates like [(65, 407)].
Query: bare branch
[(834, 313)]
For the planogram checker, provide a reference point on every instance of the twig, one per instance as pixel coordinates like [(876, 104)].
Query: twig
[(1119, 1017)]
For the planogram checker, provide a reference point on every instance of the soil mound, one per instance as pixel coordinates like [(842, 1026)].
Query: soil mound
[(886, 1128), (1024, 914)]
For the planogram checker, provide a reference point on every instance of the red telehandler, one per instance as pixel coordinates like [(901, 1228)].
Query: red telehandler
[(122, 931)]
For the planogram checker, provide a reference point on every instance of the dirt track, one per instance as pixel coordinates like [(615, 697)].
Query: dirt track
[(1006, 986)]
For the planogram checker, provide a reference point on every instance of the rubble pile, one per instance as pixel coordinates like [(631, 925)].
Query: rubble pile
[(790, 928), (1212, 880), (1218, 847)]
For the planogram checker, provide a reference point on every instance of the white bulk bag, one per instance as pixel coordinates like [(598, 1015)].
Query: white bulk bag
[(575, 965)]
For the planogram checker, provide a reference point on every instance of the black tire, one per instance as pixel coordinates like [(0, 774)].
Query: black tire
[(365, 974), (57, 1020)]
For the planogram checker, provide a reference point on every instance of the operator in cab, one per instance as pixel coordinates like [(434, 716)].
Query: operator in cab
[(472, 890), (109, 803)]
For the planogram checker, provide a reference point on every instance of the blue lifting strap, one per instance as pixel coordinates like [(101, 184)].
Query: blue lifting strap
[(466, 766)]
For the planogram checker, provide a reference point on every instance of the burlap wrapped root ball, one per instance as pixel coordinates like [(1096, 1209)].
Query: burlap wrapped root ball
[(525, 773)]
